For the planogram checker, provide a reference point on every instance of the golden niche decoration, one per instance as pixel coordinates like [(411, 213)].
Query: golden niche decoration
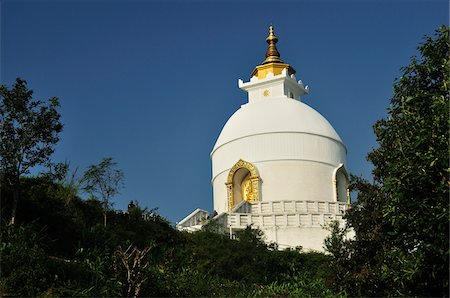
[(248, 187)]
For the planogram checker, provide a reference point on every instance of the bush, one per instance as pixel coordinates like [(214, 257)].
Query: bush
[(24, 263)]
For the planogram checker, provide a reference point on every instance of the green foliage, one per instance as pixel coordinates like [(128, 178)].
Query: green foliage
[(356, 263), (73, 254), (69, 185), (23, 269), (401, 221), (103, 182), (98, 266), (296, 284), (189, 281), (28, 132), (42, 205), (412, 165), (216, 254), (28, 128), (305, 277)]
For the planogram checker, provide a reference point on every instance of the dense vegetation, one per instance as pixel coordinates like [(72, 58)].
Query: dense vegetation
[(59, 246), (401, 220), (53, 243)]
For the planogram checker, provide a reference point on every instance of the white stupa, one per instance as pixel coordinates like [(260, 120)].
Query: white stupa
[(278, 165)]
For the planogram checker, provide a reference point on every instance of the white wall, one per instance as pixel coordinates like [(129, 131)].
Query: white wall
[(285, 180), (292, 166), (278, 146), (309, 238)]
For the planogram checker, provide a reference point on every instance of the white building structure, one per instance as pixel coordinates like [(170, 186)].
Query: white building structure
[(278, 165)]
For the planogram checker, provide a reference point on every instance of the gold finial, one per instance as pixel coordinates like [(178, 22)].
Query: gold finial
[(272, 54), (273, 63)]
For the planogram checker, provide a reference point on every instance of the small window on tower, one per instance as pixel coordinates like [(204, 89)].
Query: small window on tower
[(291, 95)]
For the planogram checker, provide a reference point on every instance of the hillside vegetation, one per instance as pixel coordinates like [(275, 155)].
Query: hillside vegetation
[(60, 247)]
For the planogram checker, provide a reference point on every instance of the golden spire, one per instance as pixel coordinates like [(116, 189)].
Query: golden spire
[(273, 63), (272, 54)]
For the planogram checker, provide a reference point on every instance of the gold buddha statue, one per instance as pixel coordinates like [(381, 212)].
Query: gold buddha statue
[(247, 189)]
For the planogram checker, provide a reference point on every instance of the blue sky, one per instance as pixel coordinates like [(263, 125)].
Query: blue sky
[(151, 83)]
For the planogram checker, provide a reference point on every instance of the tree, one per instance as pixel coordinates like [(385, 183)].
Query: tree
[(412, 165), (356, 265), (103, 182), (28, 132), (401, 221)]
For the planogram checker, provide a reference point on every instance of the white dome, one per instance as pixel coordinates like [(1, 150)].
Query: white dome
[(273, 116)]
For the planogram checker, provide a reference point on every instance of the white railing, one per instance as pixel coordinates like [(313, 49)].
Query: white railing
[(242, 220), (306, 207), (272, 213)]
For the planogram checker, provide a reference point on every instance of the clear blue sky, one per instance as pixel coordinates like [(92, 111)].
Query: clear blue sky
[(151, 83)]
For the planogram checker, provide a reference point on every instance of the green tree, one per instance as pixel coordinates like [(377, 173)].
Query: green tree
[(103, 182), (412, 165), (401, 221), (28, 132)]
